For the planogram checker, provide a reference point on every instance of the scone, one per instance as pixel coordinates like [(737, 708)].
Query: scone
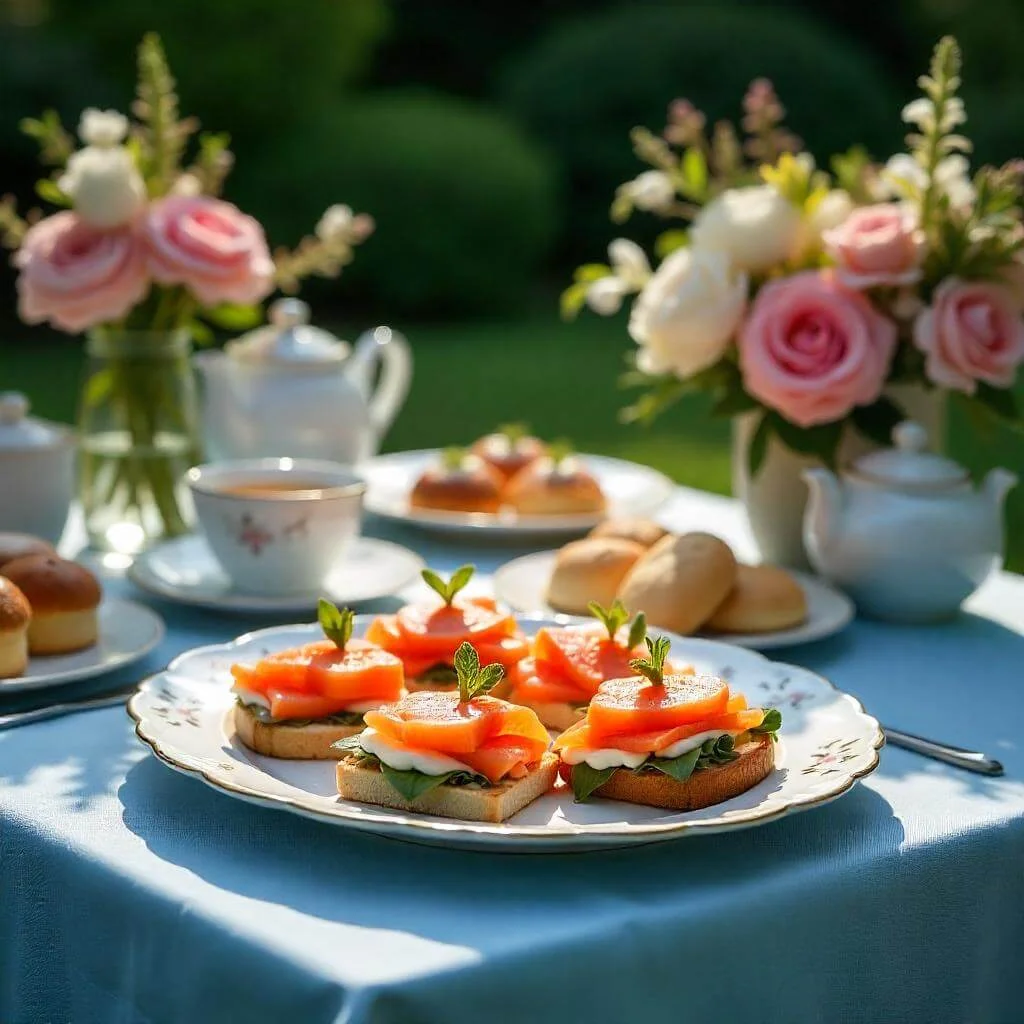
[(590, 570), (641, 531), (681, 581), (509, 449), (15, 616), (461, 482), (18, 545), (551, 486), (64, 597), (764, 599)]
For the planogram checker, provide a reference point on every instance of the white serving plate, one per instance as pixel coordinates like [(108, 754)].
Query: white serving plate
[(631, 490), (185, 570), (523, 583), (827, 742), (128, 631)]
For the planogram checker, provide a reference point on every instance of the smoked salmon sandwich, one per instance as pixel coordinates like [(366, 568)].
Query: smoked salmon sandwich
[(296, 703), (679, 741), (427, 635), (462, 754)]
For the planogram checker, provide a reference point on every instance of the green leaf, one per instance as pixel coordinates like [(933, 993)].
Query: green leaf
[(335, 622), (98, 389), (638, 630), (695, 174), (759, 445), (349, 745), (820, 441), (474, 679), (732, 403), (999, 401), (654, 666), (573, 299), (202, 336), (586, 779), (448, 589), (771, 723), (231, 316), (679, 768), (669, 241), (716, 751), (47, 190), (591, 272), (613, 618), (412, 784), (876, 421), (513, 432)]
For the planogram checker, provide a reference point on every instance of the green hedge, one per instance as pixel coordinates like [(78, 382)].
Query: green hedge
[(464, 204), (585, 85)]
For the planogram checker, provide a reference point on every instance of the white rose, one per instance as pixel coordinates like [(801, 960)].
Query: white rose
[(103, 128), (687, 313), (652, 191), (755, 227), (104, 185)]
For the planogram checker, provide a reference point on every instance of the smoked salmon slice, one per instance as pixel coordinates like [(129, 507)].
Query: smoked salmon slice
[(649, 742), (632, 705), (539, 682), (502, 755), (586, 655)]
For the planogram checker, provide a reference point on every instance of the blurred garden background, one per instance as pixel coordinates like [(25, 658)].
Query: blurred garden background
[(487, 139)]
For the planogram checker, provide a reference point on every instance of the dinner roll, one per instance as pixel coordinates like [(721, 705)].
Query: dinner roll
[(464, 484), (15, 616), (64, 597), (640, 531), (680, 581), (590, 570), (764, 598), (18, 545), (546, 487)]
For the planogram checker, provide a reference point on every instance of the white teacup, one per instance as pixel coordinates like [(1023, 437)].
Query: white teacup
[(277, 526)]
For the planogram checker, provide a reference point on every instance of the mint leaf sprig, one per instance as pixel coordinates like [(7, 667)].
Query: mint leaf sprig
[(448, 588), (336, 622), (513, 432), (474, 679), (615, 617), (453, 458), (654, 666)]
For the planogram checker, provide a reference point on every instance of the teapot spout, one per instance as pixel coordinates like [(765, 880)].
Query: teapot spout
[(824, 508), (998, 483)]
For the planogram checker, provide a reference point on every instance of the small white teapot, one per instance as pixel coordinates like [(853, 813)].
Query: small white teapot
[(293, 390), (903, 531)]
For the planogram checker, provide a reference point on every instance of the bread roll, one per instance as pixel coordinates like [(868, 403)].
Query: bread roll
[(15, 616), (470, 485), (680, 582), (546, 487), (641, 531), (64, 597), (590, 570), (508, 455), (764, 599), (18, 545)]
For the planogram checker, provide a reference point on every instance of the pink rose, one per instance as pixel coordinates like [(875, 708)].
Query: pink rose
[(876, 245), (972, 331), (812, 349), (209, 246), (76, 275)]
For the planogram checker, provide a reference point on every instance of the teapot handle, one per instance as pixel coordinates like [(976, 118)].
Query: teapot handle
[(395, 357)]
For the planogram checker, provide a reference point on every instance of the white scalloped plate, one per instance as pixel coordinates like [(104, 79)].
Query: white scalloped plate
[(827, 742)]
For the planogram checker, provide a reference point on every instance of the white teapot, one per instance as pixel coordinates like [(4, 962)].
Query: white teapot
[(293, 390), (903, 531)]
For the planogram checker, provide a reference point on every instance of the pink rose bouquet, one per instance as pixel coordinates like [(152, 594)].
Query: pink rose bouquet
[(827, 288)]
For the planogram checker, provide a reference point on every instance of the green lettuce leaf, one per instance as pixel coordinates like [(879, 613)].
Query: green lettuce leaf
[(771, 724), (586, 779), (679, 768)]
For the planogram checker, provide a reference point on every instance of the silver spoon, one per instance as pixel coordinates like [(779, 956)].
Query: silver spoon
[(969, 760)]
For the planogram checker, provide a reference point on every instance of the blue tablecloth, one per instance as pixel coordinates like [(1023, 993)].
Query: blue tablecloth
[(130, 893)]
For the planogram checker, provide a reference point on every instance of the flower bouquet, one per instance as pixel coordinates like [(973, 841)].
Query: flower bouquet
[(146, 256), (812, 303)]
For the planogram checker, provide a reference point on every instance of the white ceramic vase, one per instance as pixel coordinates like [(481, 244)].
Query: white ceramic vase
[(775, 498)]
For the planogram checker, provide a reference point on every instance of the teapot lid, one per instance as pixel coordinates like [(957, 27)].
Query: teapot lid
[(289, 338), (19, 431), (909, 464)]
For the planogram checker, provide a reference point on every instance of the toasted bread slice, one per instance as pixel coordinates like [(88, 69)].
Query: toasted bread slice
[(292, 742), (702, 789), (365, 784)]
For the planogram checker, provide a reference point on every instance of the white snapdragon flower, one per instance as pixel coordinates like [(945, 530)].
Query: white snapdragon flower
[(902, 176), (104, 185), (756, 227), (630, 272), (688, 312), (335, 224), (102, 128), (651, 191)]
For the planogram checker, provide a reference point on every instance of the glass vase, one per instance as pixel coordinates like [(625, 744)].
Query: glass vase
[(137, 419)]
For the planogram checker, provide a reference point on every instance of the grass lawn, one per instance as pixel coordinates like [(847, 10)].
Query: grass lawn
[(561, 378)]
